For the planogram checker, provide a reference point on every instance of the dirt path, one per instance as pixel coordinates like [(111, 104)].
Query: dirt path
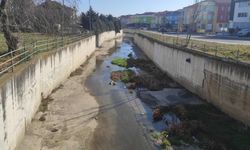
[(69, 119)]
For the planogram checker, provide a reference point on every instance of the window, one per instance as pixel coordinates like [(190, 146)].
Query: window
[(243, 14), (243, 4)]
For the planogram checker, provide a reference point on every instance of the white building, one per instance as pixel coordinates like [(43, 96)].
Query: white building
[(241, 16)]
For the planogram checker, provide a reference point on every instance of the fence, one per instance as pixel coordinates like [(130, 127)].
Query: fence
[(228, 51), (13, 58)]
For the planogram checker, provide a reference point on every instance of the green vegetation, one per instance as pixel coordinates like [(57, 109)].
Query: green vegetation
[(162, 139), (123, 75), (127, 75), (122, 62), (100, 23)]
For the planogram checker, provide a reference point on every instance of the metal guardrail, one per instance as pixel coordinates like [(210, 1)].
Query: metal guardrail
[(13, 58), (227, 51)]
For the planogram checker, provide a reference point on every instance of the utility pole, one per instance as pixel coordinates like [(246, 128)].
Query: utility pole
[(90, 17)]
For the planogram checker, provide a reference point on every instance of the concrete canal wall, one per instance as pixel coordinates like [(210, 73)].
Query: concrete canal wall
[(21, 92), (105, 36), (224, 83)]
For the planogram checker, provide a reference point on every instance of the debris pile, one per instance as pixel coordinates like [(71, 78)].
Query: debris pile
[(189, 126)]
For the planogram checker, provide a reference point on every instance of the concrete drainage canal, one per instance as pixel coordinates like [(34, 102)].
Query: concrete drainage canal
[(142, 108), (119, 100)]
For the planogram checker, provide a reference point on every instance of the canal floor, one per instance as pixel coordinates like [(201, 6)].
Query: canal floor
[(120, 125), (125, 119)]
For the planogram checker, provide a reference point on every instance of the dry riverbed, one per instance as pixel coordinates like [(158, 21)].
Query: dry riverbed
[(67, 118)]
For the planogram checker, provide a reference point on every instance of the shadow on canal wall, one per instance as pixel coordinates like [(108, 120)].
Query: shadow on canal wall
[(224, 83), (21, 92)]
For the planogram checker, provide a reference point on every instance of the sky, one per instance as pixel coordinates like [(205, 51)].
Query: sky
[(125, 7)]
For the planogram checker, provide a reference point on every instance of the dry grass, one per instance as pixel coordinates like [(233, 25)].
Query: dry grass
[(231, 51), (24, 39)]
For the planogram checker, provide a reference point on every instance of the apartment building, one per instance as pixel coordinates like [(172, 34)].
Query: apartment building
[(149, 19), (240, 16), (207, 16), (172, 19), (222, 14)]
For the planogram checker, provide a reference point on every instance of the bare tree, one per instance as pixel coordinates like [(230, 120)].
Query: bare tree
[(34, 16), (11, 40), (21, 14), (52, 13), (191, 26)]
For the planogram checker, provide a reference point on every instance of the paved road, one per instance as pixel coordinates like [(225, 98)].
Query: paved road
[(214, 38), (118, 127)]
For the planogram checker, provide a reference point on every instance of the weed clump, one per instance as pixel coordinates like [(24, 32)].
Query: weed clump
[(123, 75), (44, 104), (161, 138), (122, 62)]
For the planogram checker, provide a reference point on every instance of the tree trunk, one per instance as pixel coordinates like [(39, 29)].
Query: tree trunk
[(11, 40), (188, 37)]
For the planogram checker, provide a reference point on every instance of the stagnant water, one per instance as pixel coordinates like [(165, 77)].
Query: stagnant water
[(118, 125)]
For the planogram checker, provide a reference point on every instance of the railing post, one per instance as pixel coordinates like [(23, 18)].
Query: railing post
[(56, 43), (47, 44), (238, 54), (34, 45), (62, 41), (24, 50), (216, 50), (12, 66)]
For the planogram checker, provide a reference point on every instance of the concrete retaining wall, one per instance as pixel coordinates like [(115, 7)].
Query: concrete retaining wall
[(21, 93), (222, 82), (106, 36)]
